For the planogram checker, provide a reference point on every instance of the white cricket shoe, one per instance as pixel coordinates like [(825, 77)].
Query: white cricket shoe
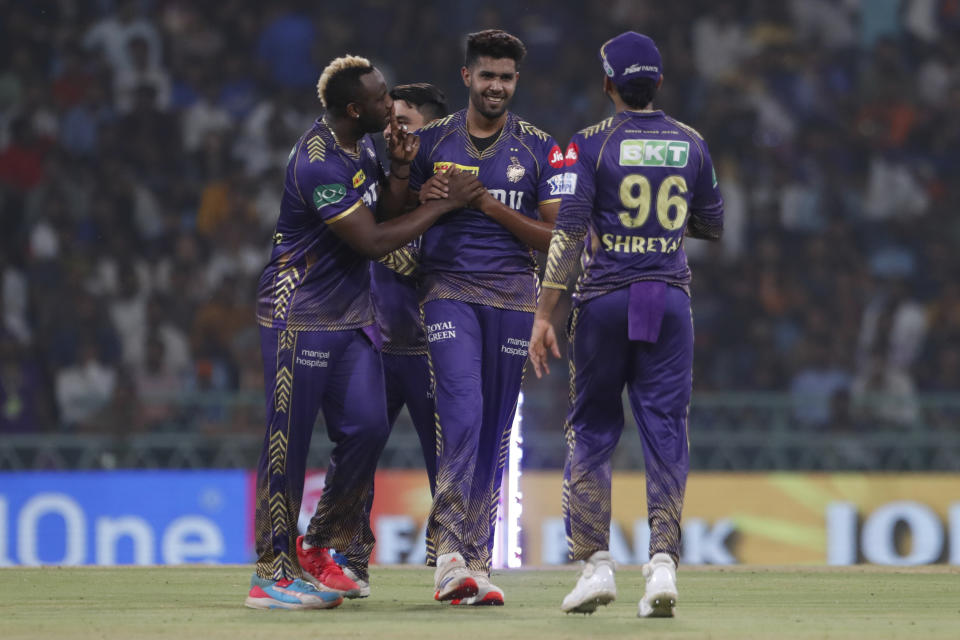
[(595, 586), (452, 580), (364, 585), (488, 594), (660, 596)]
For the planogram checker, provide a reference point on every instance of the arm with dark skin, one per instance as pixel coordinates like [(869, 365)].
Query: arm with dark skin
[(533, 233), (361, 231)]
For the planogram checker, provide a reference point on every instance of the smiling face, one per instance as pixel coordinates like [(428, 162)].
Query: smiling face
[(492, 83)]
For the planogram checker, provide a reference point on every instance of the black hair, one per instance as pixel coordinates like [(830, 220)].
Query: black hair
[(637, 93), (344, 87), (494, 43), (428, 99)]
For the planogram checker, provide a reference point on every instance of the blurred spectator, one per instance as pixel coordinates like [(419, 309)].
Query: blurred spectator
[(140, 73), (142, 148), (23, 402), (112, 34), (85, 388)]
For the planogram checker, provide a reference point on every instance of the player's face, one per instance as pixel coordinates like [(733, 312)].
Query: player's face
[(407, 116), (492, 83), (374, 103)]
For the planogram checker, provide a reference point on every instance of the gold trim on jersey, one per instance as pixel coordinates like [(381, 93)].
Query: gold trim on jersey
[(526, 127), (596, 128), (403, 260), (438, 123), (354, 207), (284, 287), (609, 135), (549, 201), (316, 149)]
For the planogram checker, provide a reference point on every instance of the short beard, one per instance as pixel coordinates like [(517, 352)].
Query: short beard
[(369, 125), (477, 100)]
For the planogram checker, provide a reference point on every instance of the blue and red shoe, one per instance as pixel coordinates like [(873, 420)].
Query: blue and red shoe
[(288, 594)]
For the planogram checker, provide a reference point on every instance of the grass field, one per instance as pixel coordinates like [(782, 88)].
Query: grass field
[(741, 602)]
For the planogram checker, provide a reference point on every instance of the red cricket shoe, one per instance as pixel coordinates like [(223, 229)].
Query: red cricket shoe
[(326, 573)]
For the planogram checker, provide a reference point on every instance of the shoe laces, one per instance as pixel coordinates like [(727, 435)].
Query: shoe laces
[(322, 562)]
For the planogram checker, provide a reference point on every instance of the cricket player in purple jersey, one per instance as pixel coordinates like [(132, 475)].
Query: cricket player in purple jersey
[(637, 183), (396, 304), (318, 336), (478, 294)]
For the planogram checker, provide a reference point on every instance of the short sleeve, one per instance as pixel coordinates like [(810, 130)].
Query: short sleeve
[(579, 190), (328, 187), (706, 203), (551, 186), (579, 178), (706, 190)]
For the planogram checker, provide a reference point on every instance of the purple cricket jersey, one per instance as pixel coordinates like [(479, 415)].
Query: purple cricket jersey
[(397, 306), (662, 184), (314, 280), (466, 255)]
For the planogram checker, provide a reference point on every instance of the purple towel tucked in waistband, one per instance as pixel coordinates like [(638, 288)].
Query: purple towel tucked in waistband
[(645, 310)]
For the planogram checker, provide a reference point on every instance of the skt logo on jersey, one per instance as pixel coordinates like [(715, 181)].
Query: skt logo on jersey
[(326, 194), (563, 184), (653, 153), (358, 178), (573, 154), (555, 157), (443, 167)]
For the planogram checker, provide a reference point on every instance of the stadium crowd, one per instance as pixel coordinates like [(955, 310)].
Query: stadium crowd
[(142, 148)]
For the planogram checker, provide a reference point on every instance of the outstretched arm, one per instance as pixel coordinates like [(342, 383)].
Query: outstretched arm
[(361, 231)]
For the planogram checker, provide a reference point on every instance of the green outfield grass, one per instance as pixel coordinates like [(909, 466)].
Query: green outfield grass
[(741, 602)]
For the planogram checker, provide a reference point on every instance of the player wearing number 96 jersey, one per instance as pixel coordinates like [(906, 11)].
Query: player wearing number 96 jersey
[(636, 183)]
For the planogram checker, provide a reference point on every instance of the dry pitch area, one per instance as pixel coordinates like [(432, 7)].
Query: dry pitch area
[(742, 602)]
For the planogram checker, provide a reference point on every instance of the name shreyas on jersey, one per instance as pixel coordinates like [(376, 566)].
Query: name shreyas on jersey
[(563, 184), (654, 153), (639, 244), (443, 167)]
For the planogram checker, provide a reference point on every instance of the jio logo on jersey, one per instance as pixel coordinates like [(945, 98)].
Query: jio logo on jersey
[(555, 157), (653, 153), (573, 154)]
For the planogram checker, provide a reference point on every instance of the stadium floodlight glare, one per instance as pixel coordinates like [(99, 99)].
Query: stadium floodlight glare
[(515, 504), (506, 540)]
